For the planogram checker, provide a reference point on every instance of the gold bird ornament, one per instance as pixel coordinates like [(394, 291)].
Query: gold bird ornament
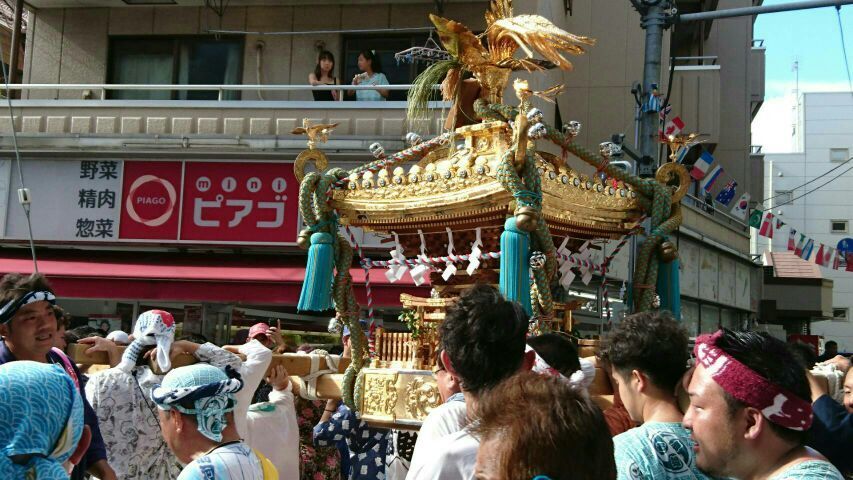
[(315, 133)]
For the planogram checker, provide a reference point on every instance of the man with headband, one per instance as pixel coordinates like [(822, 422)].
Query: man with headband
[(194, 408), (648, 355), (121, 398), (28, 326), (42, 429), (749, 410)]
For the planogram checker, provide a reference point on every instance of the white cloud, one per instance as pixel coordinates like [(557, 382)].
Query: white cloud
[(772, 128)]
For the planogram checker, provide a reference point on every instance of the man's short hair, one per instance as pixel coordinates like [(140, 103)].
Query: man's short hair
[(831, 343), (63, 318), (653, 343), (545, 428), (484, 336), (13, 286), (772, 359), (558, 350)]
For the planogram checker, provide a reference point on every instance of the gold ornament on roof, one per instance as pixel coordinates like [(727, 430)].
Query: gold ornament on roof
[(678, 141), (315, 133)]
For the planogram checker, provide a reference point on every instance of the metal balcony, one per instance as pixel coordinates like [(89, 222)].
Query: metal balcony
[(696, 91)]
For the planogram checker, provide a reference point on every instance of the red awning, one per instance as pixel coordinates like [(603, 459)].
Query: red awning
[(247, 279)]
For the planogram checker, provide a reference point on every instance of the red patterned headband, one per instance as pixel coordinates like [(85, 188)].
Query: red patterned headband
[(776, 404)]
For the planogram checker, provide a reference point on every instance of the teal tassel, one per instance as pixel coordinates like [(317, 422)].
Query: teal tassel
[(316, 293), (515, 265)]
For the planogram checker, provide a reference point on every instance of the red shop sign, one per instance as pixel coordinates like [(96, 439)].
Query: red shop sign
[(151, 196), (239, 202)]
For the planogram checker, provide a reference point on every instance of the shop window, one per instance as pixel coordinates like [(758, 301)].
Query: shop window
[(186, 60), (839, 226), (840, 314), (690, 317), (838, 155)]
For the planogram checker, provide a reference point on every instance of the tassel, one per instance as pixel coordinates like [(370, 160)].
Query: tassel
[(316, 293), (515, 265)]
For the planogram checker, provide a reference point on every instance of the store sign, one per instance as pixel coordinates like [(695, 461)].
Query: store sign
[(164, 201), (71, 200), (251, 203), (151, 200)]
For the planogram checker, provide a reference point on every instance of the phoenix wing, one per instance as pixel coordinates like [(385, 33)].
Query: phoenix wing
[(460, 42), (535, 34)]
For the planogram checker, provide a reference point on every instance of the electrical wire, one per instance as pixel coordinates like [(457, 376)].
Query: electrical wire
[(812, 180), (24, 205), (816, 188), (325, 32), (844, 48)]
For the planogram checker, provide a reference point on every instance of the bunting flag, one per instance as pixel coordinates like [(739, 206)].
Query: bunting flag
[(849, 257), (779, 223), (681, 153), (818, 259), (728, 193), (767, 225), (700, 168), (808, 249), (798, 251), (741, 207), (673, 127), (828, 257), (836, 262), (711, 178), (792, 242), (755, 218)]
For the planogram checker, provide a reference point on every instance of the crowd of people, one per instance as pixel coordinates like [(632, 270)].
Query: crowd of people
[(739, 405)]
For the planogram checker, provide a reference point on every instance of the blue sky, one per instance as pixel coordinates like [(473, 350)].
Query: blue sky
[(812, 37)]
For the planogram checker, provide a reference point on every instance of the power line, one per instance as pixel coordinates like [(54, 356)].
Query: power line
[(817, 188), (844, 48), (812, 180)]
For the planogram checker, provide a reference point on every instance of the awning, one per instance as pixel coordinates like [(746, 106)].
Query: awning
[(234, 278)]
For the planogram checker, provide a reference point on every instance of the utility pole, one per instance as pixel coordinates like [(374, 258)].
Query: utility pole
[(16, 43)]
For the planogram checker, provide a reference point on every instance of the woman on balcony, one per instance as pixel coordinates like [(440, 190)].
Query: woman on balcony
[(322, 75), (371, 74)]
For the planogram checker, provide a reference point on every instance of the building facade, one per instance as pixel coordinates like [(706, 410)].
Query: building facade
[(151, 185), (809, 190)]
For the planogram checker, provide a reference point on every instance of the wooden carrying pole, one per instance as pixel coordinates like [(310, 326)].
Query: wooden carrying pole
[(297, 365)]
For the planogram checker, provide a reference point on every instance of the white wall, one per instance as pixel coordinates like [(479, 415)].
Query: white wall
[(828, 123)]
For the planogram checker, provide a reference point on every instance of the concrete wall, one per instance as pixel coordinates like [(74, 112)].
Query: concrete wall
[(828, 123)]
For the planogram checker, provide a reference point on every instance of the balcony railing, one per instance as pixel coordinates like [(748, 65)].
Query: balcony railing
[(221, 89), (267, 120)]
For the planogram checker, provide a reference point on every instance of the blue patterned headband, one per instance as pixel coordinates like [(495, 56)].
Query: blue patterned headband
[(210, 390), (11, 307)]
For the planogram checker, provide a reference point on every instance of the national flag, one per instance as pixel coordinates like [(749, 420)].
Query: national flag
[(792, 242), (700, 168), (755, 218), (741, 207), (836, 261), (767, 225), (818, 259), (779, 223), (665, 111), (849, 262), (808, 249), (798, 251), (727, 193), (673, 127), (681, 153), (711, 178), (829, 257)]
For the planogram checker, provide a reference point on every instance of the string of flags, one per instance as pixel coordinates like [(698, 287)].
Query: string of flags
[(801, 244), (707, 173)]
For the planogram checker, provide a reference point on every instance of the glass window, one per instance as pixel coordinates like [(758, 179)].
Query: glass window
[(175, 60), (840, 314), (690, 317), (839, 154), (838, 226), (709, 320)]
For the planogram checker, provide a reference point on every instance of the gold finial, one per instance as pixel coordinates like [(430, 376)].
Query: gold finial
[(679, 141), (315, 133)]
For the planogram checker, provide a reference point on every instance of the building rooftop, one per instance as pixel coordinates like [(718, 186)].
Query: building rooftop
[(788, 265)]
